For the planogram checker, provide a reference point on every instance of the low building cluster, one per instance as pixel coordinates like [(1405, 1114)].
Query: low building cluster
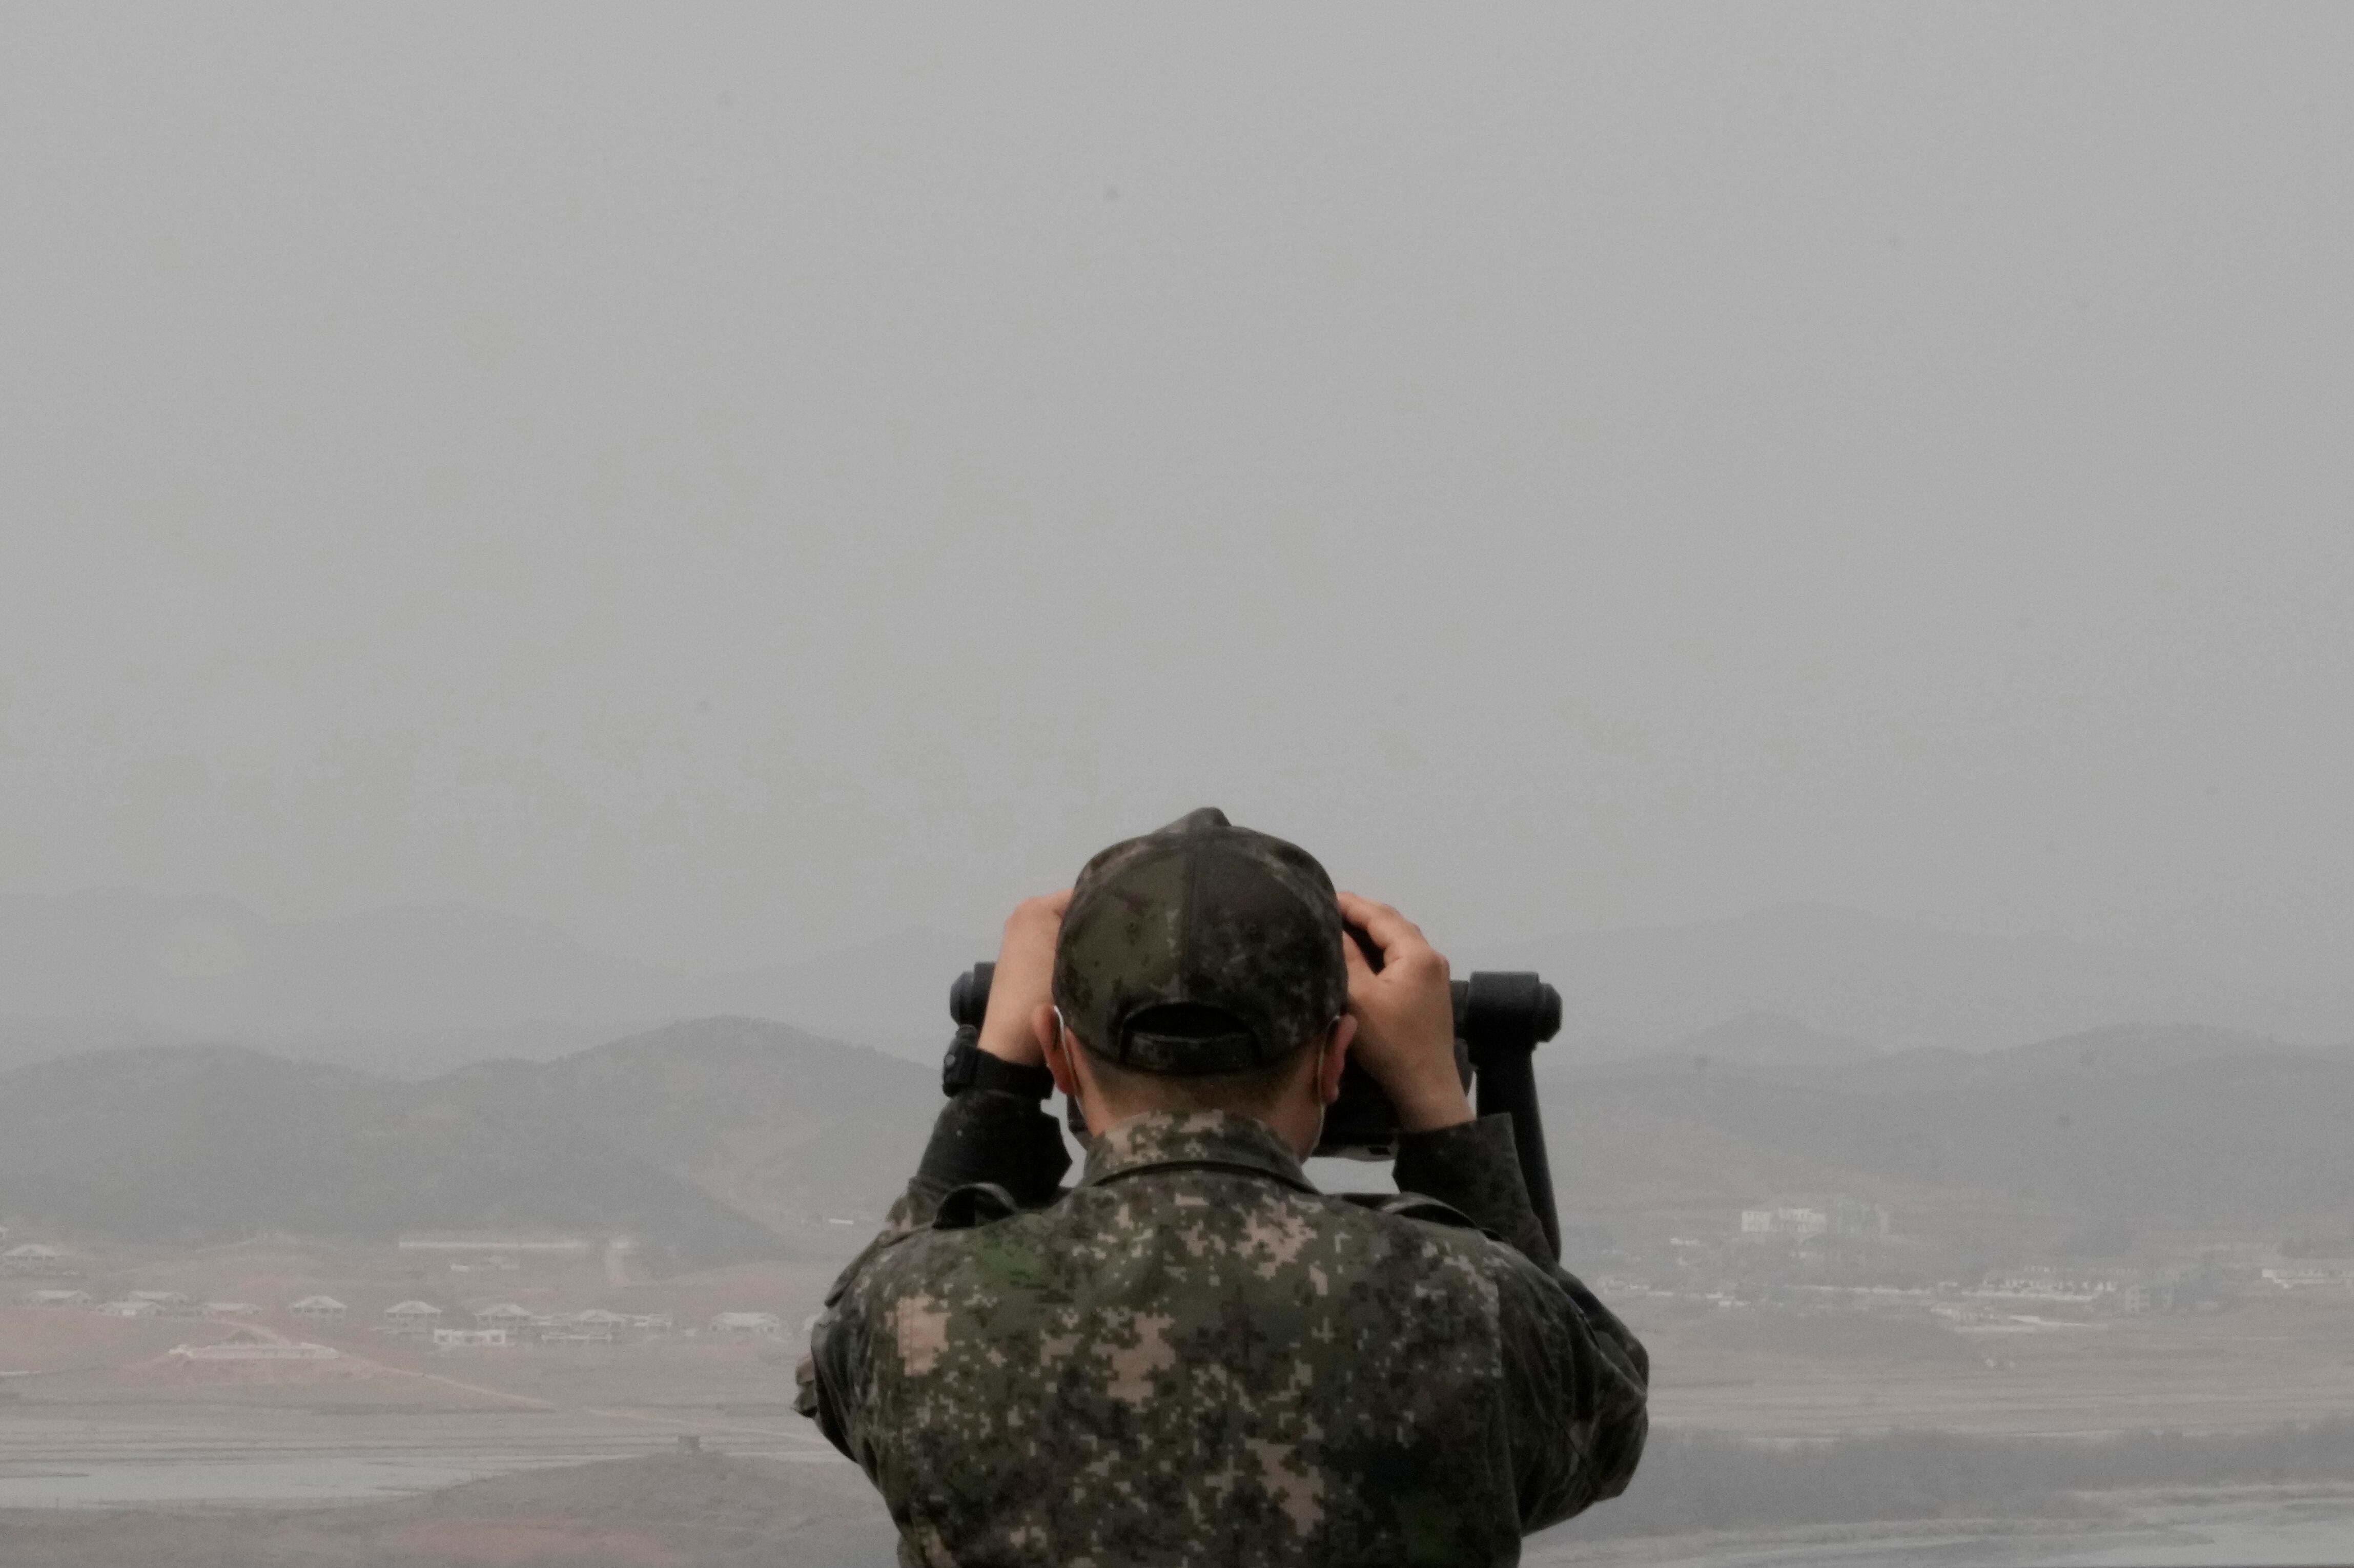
[(500, 1323), (177, 1304), (506, 1323), (1836, 1216), (78, 1301), (36, 1257), (2307, 1274), (2042, 1284)]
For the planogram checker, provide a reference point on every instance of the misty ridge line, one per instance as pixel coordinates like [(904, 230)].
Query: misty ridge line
[(413, 990), (729, 1140), (712, 1142)]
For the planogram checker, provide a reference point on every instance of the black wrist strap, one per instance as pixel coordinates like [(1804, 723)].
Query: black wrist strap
[(968, 1066)]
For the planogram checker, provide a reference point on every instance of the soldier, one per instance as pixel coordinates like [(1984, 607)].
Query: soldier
[(1194, 1356)]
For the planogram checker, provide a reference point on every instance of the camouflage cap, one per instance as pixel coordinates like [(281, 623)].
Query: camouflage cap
[(1200, 948)]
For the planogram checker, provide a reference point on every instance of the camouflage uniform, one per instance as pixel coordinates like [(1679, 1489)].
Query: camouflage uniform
[(1194, 1357)]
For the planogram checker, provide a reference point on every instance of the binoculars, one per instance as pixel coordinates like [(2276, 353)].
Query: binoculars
[(1501, 1016)]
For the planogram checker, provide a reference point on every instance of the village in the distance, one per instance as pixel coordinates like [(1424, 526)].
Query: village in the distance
[(262, 1333), (1827, 1253)]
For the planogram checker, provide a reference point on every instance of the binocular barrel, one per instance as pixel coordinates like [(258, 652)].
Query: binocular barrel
[(1501, 1016), (968, 997)]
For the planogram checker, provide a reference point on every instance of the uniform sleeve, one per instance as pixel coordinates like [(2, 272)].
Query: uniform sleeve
[(1575, 1386), (1574, 1378), (983, 1137), (1474, 1168)]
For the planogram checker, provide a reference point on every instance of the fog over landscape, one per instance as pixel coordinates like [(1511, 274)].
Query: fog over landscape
[(561, 568)]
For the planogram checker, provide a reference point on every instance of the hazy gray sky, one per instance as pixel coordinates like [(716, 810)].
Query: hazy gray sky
[(731, 477)]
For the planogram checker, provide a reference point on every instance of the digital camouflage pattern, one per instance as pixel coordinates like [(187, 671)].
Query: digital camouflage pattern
[(1193, 1357), (1203, 913)]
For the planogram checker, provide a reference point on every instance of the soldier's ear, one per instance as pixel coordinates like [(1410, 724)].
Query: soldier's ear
[(1334, 1057), (1046, 1025)]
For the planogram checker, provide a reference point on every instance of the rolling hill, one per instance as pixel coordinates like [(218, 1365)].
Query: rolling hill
[(729, 1138), (2179, 1124), (793, 1129), (709, 1141)]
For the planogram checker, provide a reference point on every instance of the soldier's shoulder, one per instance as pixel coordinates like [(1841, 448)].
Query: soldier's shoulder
[(1410, 1206), (1435, 1229)]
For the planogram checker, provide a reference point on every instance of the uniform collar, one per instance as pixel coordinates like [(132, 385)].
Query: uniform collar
[(1191, 1139)]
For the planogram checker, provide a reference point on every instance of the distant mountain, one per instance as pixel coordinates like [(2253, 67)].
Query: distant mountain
[(890, 992), (1769, 1039), (1894, 985), (2174, 1124), (793, 1129), (731, 1137), (709, 1142)]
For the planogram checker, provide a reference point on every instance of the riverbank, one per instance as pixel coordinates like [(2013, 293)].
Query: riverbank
[(671, 1511)]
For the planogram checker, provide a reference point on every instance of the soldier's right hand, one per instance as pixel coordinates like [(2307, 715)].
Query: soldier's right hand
[(1405, 1017), (1025, 980)]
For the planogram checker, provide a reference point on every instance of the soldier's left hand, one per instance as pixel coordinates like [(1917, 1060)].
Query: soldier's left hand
[(1025, 980)]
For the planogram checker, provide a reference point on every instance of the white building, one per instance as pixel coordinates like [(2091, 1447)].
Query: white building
[(1836, 1215), (466, 1339), (417, 1318), (75, 1300), (223, 1311), (32, 1257), (171, 1303), (596, 1326), (317, 1310), (1783, 1221), (127, 1307), (2048, 1284), (505, 1315), (747, 1325)]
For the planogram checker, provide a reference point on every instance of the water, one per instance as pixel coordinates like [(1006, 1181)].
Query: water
[(2251, 1544), (2313, 1530)]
